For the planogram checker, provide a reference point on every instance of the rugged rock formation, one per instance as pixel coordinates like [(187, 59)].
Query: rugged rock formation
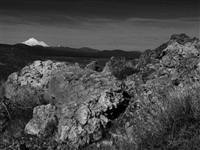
[(32, 78), (36, 74), (167, 75), (128, 102), (85, 102), (173, 59)]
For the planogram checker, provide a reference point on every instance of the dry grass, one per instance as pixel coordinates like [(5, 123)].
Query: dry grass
[(180, 121), (169, 122)]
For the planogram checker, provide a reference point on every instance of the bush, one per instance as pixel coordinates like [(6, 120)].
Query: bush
[(121, 68)]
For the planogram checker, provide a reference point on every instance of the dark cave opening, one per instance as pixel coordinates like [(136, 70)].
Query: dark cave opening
[(121, 108)]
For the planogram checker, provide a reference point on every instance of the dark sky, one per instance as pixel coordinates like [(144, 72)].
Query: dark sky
[(100, 24)]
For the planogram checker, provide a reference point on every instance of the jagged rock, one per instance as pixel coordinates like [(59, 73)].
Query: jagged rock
[(181, 38), (112, 63), (94, 65), (171, 58), (169, 68), (85, 102), (79, 85), (34, 77), (44, 121)]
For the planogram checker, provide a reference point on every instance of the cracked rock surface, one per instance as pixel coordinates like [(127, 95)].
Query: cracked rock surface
[(34, 77), (167, 72), (85, 100)]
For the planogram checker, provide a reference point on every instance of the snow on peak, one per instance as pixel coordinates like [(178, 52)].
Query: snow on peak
[(34, 42)]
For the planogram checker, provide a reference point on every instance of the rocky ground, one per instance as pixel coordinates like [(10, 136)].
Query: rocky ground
[(149, 103)]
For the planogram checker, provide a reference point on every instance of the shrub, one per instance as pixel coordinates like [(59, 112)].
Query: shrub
[(121, 68)]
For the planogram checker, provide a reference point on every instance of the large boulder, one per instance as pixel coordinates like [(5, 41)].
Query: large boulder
[(85, 102), (32, 81), (36, 74)]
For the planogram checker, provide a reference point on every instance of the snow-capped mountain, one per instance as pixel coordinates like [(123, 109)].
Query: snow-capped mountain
[(34, 42)]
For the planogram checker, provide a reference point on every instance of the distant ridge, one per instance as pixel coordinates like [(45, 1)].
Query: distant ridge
[(76, 52), (34, 42), (23, 54)]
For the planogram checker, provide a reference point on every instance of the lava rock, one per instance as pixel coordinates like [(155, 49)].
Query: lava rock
[(44, 121), (85, 102)]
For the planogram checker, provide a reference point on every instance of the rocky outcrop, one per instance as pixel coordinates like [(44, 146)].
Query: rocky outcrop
[(31, 79), (167, 74), (129, 101), (173, 59), (36, 75), (85, 103)]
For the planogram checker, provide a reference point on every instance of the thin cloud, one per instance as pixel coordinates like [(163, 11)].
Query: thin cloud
[(127, 34), (127, 27), (37, 19)]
